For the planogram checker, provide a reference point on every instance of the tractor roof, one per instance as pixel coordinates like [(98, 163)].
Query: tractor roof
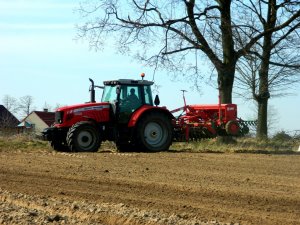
[(128, 82)]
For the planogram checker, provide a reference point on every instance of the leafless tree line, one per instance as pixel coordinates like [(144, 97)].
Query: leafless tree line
[(19, 108), (23, 105)]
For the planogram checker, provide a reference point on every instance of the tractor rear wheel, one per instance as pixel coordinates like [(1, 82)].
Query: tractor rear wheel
[(83, 137), (154, 132)]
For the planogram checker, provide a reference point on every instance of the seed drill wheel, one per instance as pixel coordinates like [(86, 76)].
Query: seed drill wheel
[(83, 137), (154, 132), (232, 128)]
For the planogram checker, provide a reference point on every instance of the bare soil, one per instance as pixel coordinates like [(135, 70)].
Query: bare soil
[(149, 188)]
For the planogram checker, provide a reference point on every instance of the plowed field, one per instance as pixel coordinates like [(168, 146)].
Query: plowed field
[(149, 188)]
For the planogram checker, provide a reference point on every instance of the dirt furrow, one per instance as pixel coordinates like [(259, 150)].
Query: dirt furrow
[(223, 188)]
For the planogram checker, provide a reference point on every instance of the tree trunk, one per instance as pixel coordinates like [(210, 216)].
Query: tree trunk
[(225, 82), (227, 69), (262, 119), (264, 94), (262, 98)]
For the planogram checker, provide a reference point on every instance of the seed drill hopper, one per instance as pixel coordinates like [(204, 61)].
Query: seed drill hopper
[(208, 121)]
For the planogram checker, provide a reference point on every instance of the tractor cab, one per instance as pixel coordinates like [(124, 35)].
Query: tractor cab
[(126, 96)]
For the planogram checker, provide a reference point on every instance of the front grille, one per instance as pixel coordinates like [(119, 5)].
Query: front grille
[(59, 117)]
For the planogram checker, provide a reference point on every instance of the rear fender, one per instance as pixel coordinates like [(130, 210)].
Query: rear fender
[(145, 110)]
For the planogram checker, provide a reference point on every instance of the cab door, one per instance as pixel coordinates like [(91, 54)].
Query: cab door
[(130, 100)]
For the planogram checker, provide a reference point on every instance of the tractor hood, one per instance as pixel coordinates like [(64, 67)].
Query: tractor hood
[(68, 115), (84, 107)]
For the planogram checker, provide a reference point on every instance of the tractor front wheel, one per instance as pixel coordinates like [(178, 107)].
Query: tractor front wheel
[(83, 137), (154, 132)]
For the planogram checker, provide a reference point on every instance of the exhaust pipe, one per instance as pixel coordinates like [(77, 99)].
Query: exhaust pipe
[(92, 90)]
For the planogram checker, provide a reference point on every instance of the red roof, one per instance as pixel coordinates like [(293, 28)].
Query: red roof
[(47, 117)]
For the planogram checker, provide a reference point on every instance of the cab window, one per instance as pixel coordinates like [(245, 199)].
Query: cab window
[(148, 95), (109, 94)]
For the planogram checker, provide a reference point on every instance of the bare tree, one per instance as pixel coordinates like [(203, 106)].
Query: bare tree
[(274, 64), (26, 104), (168, 34), (10, 103), (7, 111), (281, 82)]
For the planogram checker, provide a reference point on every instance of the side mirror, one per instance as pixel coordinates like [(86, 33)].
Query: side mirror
[(156, 100)]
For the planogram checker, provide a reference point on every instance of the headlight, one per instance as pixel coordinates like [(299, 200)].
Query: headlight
[(59, 115)]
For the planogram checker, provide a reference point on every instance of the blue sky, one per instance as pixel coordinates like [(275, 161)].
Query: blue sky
[(40, 56)]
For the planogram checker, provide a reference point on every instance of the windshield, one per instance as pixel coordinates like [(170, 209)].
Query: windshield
[(109, 94)]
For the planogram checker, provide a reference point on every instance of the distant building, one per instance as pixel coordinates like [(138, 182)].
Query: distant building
[(37, 121), (7, 119)]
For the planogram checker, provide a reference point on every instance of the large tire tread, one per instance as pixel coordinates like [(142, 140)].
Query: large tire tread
[(157, 118), (74, 131)]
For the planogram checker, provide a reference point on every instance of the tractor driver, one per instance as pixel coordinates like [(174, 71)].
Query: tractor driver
[(133, 100)]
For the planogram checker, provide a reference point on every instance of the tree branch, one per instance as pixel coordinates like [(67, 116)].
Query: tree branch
[(248, 46), (204, 45), (297, 66)]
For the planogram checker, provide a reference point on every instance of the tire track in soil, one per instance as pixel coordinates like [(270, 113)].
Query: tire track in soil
[(204, 203)]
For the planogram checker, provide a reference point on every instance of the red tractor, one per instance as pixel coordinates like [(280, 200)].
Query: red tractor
[(127, 116)]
